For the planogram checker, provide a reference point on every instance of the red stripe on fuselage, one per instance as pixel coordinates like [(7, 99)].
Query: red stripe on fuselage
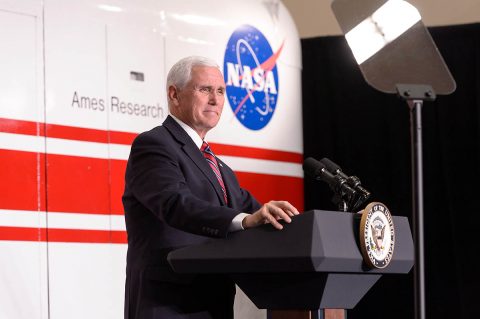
[(126, 138)]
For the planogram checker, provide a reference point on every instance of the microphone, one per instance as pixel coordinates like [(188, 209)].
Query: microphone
[(353, 181), (319, 171), (332, 167)]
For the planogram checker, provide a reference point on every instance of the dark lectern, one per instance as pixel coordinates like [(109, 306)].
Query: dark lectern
[(313, 263)]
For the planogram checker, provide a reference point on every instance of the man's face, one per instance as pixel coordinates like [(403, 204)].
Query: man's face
[(200, 103)]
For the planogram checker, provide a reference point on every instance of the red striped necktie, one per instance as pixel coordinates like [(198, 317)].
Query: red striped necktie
[(210, 157)]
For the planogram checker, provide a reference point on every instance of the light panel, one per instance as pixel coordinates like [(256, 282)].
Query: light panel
[(385, 25)]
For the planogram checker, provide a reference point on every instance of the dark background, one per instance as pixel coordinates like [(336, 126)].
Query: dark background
[(367, 133)]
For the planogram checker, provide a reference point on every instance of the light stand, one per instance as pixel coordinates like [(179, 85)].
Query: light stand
[(415, 95), (396, 54)]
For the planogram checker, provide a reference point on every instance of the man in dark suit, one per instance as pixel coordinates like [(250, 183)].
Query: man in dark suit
[(175, 196)]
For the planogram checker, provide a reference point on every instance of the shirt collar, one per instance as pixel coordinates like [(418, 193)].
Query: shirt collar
[(190, 131)]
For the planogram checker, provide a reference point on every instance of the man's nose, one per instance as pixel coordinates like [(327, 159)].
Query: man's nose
[(214, 98)]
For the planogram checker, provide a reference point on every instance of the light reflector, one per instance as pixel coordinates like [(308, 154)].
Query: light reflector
[(385, 25)]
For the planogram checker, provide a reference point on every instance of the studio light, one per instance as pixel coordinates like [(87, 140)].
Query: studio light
[(386, 24), (396, 54)]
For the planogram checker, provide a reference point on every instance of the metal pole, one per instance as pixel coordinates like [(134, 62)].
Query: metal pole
[(417, 204)]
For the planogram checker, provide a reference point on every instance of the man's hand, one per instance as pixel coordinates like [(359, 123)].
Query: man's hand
[(270, 213)]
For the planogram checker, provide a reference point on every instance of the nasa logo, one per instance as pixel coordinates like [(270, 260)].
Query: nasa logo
[(251, 77)]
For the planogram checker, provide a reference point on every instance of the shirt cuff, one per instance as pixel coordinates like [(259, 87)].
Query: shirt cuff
[(236, 224)]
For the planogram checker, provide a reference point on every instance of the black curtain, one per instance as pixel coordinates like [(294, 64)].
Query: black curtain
[(367, 133)]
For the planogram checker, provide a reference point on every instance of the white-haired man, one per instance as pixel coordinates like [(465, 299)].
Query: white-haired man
[(178, 193)]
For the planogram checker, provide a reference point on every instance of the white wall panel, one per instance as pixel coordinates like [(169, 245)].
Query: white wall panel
[(23, 270), (76, 96), (83, 283), (23, 290), (75, 64), (18, 66)]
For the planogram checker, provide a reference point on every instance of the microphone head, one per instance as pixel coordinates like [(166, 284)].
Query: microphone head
[(331, 166), (312, 167)]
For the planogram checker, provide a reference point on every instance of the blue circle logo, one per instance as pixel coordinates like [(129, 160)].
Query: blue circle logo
[(251, 76)]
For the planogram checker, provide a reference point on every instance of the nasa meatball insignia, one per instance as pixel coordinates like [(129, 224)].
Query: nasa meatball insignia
[(251, 75)]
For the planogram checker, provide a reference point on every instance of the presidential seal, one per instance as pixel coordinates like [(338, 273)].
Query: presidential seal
[(377, 235)]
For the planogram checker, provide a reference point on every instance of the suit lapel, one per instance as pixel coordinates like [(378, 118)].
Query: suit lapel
[(192, 151)]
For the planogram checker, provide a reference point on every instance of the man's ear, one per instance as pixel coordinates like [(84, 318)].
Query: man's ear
[(173, 94)]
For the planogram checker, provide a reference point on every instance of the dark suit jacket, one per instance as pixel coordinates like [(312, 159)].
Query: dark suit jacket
[(173, 199)]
